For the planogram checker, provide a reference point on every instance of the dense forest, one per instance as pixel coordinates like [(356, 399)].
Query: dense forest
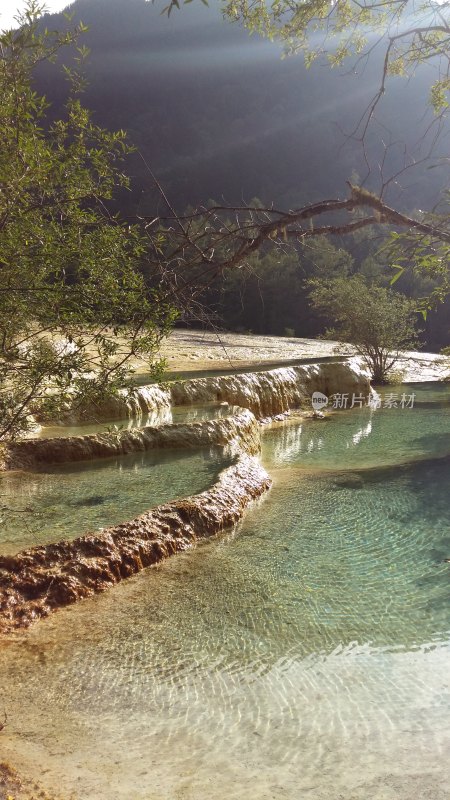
[(218, 114)]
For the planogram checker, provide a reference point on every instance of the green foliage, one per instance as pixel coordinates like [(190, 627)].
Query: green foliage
[(377, 321), (427, 257), (74, 305), (343, 29)]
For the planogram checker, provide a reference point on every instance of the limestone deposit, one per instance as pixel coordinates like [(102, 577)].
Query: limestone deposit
[(131, 404), (38, 581), (238, 431), (265, 393), (275, 391)]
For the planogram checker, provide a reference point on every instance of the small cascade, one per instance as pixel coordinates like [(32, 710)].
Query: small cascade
[(276, 391), (133, 404), (37, 581)]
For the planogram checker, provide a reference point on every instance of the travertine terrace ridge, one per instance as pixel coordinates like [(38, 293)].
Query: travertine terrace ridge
[(37, 581), (265, 393), (240, 430), (275, 391), (127, 404)]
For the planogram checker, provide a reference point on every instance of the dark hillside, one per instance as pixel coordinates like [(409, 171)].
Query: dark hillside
[(218, 113)]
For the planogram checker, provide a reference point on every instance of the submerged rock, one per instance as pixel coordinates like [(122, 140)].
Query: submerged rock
[(94, 500), (349, 482), (38, 581)]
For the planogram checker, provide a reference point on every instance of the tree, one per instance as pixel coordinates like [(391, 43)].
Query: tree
[(400, 37), (408, 35), (75, 307), (378, 322)]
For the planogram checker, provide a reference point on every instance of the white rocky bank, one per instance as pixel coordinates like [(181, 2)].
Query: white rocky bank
[(266, 393), (38, 581)]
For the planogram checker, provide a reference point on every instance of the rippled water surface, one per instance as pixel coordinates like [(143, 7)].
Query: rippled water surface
[(363, 438), (304, 655), (63, 502)]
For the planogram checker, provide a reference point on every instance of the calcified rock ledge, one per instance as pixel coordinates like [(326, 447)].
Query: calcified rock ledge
[(239, 432), (269, 393), (265, 393), (132, 404), (37, 581)]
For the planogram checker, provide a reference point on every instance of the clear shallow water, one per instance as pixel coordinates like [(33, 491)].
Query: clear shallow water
[(364, 438), (165, 416), (63, 502), (305, 655)]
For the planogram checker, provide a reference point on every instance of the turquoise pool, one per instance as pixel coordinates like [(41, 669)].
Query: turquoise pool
[(65, 501), (165, 416), (303, 656)]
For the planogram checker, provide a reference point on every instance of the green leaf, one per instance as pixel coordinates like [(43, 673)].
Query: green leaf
[(400, 271)]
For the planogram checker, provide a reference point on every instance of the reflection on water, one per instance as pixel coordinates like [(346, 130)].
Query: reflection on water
[(305, 655), (63, 502), (163, 416), (365, 437)]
